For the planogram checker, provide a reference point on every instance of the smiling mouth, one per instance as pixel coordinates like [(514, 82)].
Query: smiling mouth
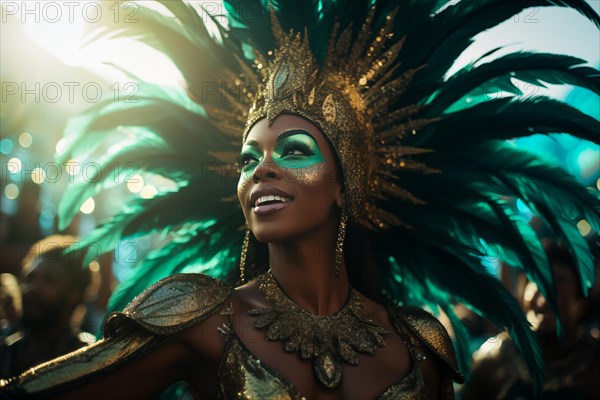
[(269, 204)]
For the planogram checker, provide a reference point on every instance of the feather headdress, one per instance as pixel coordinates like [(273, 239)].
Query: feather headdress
[(432, 192)]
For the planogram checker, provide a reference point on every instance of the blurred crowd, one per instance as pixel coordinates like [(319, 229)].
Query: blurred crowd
[(570, 344), (52, 304)]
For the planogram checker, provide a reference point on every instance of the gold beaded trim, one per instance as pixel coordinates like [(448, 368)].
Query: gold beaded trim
[(327, 340)]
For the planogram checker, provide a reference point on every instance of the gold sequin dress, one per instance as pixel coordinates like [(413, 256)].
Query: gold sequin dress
[(180, 301)]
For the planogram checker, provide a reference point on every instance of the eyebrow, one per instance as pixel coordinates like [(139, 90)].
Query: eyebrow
[(283, 135)]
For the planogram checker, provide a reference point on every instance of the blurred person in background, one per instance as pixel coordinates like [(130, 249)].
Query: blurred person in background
[(53, 284), (572, 362), (102, 284), (21, 230), (10, 305)]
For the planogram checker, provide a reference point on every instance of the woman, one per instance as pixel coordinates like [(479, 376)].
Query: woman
[(226, 345), (346, 127)]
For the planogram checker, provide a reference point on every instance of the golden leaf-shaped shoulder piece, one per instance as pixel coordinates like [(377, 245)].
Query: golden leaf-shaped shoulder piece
[(172, 304), (430, 332), (166, 307)]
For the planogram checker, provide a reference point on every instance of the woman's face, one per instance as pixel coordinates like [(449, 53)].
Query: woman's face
[(288, 182)]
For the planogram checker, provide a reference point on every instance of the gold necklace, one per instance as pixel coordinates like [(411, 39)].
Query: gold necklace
[(327, 340)]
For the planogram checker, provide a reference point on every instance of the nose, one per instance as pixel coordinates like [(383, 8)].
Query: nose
[(266, 170)]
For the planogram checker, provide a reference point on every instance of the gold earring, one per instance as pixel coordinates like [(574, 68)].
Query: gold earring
[(244, 254), (339, 246)]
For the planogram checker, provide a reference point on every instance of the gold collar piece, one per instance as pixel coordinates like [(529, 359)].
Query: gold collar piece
[(326, 340)]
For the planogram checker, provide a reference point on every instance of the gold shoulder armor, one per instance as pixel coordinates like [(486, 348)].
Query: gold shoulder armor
[(172, 304), (169, 306), (430, 332)]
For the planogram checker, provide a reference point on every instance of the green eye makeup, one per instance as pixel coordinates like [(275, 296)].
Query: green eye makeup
[(295, 148)]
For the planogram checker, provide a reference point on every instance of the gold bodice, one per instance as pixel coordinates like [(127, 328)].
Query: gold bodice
[(180, 301), (242, 375)]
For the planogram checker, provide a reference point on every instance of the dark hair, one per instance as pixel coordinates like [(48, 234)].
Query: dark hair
[(358, 254), (361, 263)]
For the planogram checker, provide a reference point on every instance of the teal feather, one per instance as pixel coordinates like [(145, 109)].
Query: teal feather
[(192, 251), (507, 118), (533, 68), (461, 335), (440, 40), (476, 288), (468, 216)]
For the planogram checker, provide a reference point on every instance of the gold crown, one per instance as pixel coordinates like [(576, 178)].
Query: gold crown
[(348, 98)]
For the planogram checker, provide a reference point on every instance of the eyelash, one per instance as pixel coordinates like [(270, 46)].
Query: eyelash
[(297, 146), (244, 158), (241, 163)]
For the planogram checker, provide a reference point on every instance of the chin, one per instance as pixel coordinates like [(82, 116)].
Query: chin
[(269, 234), (285, 225), (276, 230)]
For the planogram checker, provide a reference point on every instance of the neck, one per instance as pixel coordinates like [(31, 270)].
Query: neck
[(305, 269)]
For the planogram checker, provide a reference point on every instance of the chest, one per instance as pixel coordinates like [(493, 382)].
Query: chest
[(253, 367)]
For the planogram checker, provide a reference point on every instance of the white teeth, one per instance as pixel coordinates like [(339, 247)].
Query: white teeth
[(262, 199)]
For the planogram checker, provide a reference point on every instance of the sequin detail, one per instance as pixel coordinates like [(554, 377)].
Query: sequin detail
[(326, 340), (167, 307), (243, 376), (155, 313)]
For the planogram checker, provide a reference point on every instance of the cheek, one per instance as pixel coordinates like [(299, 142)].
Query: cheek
[(242, 190), (315, 186), (319, 176)]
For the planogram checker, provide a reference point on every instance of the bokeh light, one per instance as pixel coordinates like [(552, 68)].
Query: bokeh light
[(25, 139), (73, 167), (38, 175), (584, 227), (135, 184), (61, 145), (88, 206), (11, 191), (6, 146), (14, 165), (148, 192), (94, 266)]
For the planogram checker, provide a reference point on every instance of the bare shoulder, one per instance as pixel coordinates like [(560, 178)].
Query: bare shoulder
[(249, 296)]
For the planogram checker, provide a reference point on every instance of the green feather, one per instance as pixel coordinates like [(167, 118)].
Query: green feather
[(467, 216)]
